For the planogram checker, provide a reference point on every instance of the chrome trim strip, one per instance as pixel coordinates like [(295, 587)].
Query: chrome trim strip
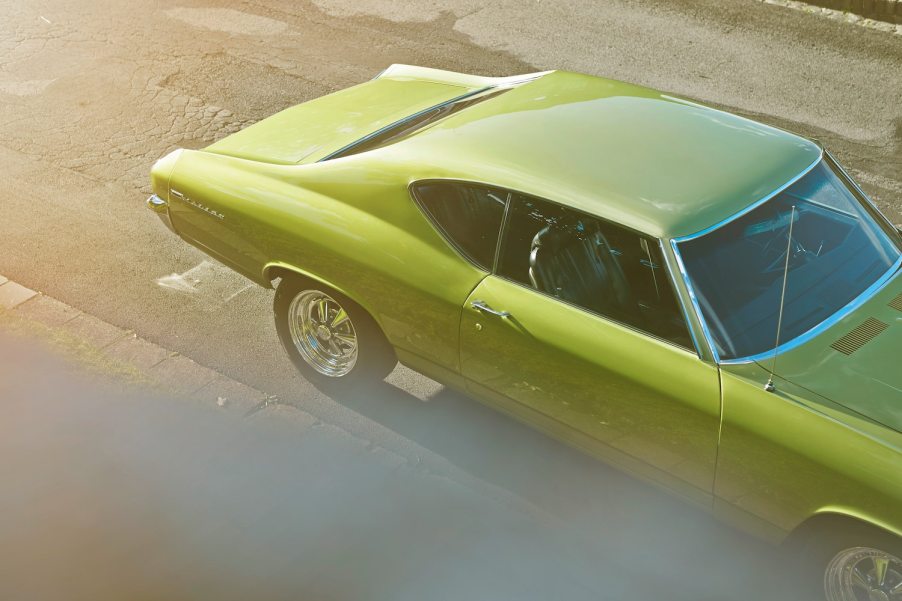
[(606, 318), (676, 251), (844, 175), (449, 240), (814, 331), (412, 187), (801, 339), (673, 284), (698, 311), (752, 206), (504, 219), (848, 178)]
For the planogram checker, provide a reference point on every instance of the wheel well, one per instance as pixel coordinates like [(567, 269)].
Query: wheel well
[(278, 271), (282, 272), (273, 272), (824, 523)]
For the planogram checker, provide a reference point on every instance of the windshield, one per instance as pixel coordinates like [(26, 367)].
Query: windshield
[(736, 271)]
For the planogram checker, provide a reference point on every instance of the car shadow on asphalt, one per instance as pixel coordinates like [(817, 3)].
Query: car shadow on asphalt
[(605, 511)]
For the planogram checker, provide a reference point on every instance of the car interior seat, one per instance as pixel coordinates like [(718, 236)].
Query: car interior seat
[(578, 265)]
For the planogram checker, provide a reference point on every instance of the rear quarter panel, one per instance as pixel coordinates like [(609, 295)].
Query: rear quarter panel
[(351, 226)]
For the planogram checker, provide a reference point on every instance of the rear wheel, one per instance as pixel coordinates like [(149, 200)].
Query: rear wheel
[(332, 340), (863, 574), (846, 561)]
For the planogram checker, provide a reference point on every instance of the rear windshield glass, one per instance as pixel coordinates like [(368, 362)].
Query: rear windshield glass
[(416, 122), (836, 252)]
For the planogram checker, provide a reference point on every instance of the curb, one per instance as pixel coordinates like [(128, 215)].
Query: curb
[(864, 17), (171, 373), (889, 11), (167, 371)]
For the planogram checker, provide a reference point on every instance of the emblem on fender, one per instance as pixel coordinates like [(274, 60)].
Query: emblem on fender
[(198, 205)]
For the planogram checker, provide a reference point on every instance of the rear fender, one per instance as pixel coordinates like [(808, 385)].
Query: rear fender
[(275, 269)]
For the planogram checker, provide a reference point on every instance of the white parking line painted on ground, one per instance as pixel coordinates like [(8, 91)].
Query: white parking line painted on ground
[(209, 284)]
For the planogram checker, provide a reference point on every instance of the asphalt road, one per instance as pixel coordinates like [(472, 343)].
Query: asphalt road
[(92, 93)]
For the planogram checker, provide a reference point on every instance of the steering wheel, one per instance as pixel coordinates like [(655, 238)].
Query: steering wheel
[(776, 247)]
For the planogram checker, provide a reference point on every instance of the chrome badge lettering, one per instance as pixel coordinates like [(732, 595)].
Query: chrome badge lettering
[(198, 205)]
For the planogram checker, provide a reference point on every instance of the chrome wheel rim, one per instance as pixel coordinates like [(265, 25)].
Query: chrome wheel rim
[(323, 334), (864, 574)]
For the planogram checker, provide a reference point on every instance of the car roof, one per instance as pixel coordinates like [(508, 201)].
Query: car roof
[(653, 162)]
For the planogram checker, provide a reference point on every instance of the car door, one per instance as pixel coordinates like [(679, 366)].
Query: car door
[(578, 329)]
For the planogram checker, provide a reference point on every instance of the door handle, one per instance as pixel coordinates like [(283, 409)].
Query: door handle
[(484, 308)]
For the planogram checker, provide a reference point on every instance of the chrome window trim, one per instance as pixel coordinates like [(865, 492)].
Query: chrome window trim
[(801, 339), (675, 287), (698, 312), (696, 343), (608, 318), (602, 316), (443, 234), (876, 212), (752, 206), (504, 219), (832, 320)]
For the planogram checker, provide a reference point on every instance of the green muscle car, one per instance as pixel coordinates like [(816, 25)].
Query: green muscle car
[(706, 302)]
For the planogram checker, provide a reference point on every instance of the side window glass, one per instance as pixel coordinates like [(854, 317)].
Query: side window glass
[(469, 216), (593, 264)]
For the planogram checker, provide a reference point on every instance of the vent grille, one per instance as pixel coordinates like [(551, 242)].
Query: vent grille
[(860, 336), (896, 303)]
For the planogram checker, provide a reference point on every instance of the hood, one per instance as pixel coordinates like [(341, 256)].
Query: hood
[(857, 363), (308, 132)]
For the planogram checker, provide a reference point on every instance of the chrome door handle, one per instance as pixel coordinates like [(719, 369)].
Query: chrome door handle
[(481, 306)]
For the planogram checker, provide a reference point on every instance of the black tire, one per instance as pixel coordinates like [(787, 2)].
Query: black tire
[(375, 357), (827, 554)]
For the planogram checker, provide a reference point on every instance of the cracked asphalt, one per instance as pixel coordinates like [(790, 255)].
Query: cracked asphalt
[(92, 93)]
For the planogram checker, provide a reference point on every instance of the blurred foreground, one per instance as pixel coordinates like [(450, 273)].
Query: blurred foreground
[(108, 495)]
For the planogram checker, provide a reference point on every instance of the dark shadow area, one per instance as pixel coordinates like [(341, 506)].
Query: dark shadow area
[(110, 494), (611, 516)]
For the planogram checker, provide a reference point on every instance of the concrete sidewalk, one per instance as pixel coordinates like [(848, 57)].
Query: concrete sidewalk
[(282, 506), (143, 496), (239, 496), (124, 353), (118, 356)]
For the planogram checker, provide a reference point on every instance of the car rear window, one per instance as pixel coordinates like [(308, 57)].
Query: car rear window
[(416, 122)]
